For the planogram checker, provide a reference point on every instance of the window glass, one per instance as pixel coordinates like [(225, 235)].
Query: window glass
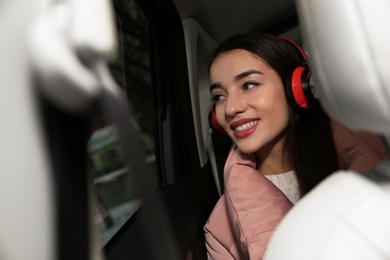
[(131, 70)]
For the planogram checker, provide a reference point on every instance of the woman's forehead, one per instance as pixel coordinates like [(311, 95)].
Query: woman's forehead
[(234, 62)]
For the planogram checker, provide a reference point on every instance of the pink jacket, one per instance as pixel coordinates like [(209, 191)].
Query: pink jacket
[(358, 151), (246, 215)]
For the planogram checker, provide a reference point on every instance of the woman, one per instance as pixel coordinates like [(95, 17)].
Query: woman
[(283, 142)]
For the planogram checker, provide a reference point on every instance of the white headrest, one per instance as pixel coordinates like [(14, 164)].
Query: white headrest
[(348, 43)]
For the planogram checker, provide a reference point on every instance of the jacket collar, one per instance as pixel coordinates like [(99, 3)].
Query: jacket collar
[(237, 157)]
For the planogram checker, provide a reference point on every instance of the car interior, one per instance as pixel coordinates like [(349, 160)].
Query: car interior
[(107, 150)]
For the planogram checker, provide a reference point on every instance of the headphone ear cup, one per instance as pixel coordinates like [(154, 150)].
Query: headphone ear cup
[(214, 123), (298, 91)]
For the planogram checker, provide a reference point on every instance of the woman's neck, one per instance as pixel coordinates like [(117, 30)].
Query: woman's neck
[(272, 160)]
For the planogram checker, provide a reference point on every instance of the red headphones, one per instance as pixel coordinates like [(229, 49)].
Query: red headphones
[(214, 123), (298, 91)]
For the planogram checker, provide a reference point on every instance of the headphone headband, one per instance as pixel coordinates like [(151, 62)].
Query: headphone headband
[(296, 46)]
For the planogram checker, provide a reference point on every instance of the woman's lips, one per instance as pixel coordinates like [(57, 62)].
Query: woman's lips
[(244, 127)]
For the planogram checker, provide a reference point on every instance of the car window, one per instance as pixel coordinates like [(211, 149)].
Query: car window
[(131, 69)]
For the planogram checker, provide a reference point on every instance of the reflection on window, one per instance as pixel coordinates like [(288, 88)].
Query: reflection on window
[(131, 70)]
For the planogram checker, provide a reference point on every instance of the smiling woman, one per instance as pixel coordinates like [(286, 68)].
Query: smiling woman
[(281, 149), (284, 144)]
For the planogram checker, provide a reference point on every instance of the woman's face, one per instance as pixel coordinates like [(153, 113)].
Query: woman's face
[(250, 103)]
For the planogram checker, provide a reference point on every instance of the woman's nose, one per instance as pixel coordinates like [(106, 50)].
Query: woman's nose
[(234, 105)]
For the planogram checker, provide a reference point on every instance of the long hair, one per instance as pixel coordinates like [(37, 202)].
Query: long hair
[(309, 143)]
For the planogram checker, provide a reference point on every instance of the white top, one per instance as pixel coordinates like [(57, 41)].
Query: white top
[(287, 183)]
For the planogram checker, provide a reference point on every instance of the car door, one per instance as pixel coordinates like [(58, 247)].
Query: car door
[(152, 69)]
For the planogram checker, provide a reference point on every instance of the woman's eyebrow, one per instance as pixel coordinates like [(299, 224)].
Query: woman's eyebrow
[(214, 85), (246, 74), (237, 78)]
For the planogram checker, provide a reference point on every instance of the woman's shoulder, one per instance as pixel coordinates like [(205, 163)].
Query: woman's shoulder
[(357, 150)]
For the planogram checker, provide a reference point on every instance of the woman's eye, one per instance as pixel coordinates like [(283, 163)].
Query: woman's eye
[(250, 85), (216, 98)]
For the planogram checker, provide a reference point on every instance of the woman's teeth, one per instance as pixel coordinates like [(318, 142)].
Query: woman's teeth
[(245, 126)]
